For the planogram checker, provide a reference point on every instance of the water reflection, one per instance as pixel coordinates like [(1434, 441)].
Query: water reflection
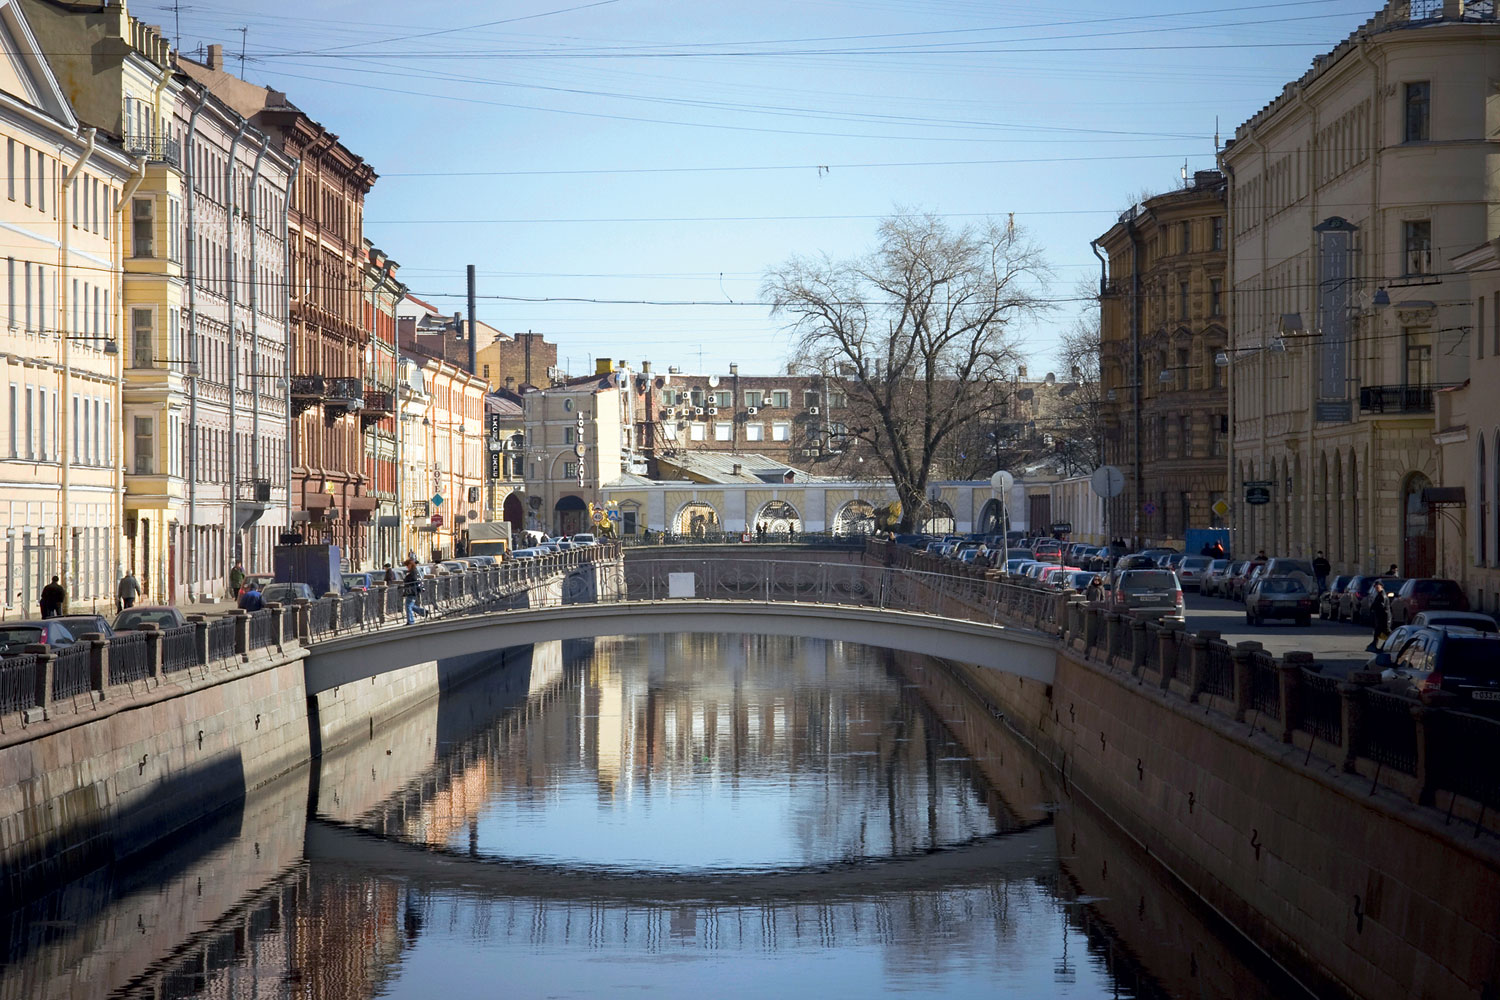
[(694, 815)]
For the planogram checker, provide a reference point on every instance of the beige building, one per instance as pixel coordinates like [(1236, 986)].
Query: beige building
[(66, 187), (442, 449), (1163, 320), (1350, 195), (574, 445)]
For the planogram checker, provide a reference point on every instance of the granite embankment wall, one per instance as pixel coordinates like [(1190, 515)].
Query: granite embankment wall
[(1358, 894)]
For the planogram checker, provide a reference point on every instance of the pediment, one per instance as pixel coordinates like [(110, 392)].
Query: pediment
[(24, 73)]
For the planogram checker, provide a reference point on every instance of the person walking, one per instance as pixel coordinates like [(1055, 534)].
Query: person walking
[(251, 600), (236, 580), (390, 575), (1095, 591), (127, 592), (1321, 568), (412, 592), (53, 599), (1380, 614)]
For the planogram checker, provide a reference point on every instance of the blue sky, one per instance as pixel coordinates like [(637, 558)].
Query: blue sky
[(668, 151)]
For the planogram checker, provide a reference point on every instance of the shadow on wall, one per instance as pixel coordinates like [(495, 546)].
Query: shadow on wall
[(103, 828)]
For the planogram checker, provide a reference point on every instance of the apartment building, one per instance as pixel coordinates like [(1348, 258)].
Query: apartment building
[(1350, 195), (575, 441), (383, 292), (1163, 328), (65, 185)]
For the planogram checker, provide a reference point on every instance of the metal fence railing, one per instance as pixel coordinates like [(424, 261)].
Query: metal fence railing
[(18, 683), (261, 630), (221, 638), (179, 648), (129, 657), (1320, 707), (71, 670)]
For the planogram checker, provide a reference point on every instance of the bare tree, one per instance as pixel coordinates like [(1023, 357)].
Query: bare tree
[(1080, 435), (916, 334)]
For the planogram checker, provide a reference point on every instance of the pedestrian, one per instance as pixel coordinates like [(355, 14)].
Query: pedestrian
[(1392, 571), (1218, 550), (127, 592), (236, 580), (1207, 550), (1095, 591), (412, 592), (390, 575), (1380, 614), (53, 599), (1321, 568), (1260, 556), (251, 600)]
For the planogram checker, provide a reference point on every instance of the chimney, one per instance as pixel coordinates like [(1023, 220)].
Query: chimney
[(215, 57), (645, 368), (458, 326), (734, 368), (736, 468), (510, 383)]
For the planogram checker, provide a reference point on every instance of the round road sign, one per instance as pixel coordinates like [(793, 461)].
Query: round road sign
[(1107, 481)]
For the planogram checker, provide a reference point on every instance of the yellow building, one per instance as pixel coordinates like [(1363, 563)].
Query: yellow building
[(442, 448), (60, 458), (574, 442)]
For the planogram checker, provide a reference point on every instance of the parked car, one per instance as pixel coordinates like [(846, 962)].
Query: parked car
[(356, 581), (1328, 600), (1191, 570), (1426, 594), (1462, 619), (84, 624), (1075, 579), (15, 636), (584, 538), (1281, 566), (1218, 580), (1280, 597), (524, 554), (1360, 613), (1151, 593), (1211, 577), (161, 615), (286, 593), (1457, 662), (1049, 550), (1234, 587), (1136, 560), (259, 579), (1385, 654)]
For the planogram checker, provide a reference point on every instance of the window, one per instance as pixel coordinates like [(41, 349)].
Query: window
[(755, 432), (1185, 237), (781, 398), (145, 461), (1182, 368), (1184, 436), (570, 470), (810, 398), (141, 330), (567, 435), (698, 431), (141, 218), (174, 232), (837, 400), (723, 431), (26, 173), (10, 291), (1494, 340), (1417, 358), (1418, 111), (41, 424), (1182, 300), (781, 432), (41, 181), (10, 169), (1216, 296), (724, 398), (754, 397), (1218, 233), (15, 422), (1479, 326), (1216, 435), (1417, 243)]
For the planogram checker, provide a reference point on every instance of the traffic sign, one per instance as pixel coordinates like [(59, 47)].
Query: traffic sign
[(1002, 481), (1220, 507), (1107, 481), (1149, 508), (437, 500)]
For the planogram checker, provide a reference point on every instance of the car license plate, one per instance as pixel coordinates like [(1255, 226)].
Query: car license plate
[(1486, 695)]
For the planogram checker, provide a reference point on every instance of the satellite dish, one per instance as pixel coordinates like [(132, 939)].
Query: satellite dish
[(1107, 481), (713, 381), (1002, 481)]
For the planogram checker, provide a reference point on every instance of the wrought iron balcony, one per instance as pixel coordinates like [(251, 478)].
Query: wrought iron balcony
[(1399, 398), (348, 391), (379, 403), (156, 148), (307, 387)]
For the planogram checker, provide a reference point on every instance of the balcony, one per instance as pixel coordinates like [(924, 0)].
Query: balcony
[(379, 404), (155, 148), (1399, 398)]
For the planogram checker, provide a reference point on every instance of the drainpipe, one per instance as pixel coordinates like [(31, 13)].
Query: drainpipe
[(286, 285), (1103, 286), (191, 186), (117, 472), (1135, 350), (65, 540), (255, 373), (1231, 487), (231, 207)]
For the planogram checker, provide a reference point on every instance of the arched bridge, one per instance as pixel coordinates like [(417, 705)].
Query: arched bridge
[(360, 656)]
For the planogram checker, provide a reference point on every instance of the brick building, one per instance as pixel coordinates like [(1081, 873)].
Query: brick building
[(502, 360)]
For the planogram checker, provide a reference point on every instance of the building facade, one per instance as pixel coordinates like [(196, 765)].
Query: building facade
[(383, 292), (505, 457), (574, 444), (445, 482), (1163, 324), (331, 500), (60, 476), (1350, 194)]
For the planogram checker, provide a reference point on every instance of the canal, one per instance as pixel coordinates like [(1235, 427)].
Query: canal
[(731, 816)]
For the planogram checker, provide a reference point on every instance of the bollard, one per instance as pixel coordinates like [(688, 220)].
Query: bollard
[(1352, 704), (1198, 663), (45, 665), (98, 661), (1241, 655), (300, 611), (1167, 640), (335, 611), (1115, 625), (241, 633), (155, 648), (278, 621), (380, 600), (1289, 690), (1138, 640), (1425, 719)]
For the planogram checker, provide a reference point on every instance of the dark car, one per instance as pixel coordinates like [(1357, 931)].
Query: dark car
[(286, 593), (1235, 586), (1426, 594), (1361, 607), (1148, 593), (1458, 663), (1328, 601), (1354, 591), (1462, 619), (15, 636), (161, 615), (84, 624), (1280, 597)]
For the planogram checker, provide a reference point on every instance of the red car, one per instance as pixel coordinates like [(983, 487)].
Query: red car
[(1430, 594)]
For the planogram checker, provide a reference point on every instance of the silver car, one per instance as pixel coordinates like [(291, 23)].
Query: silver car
[(1148, 593)]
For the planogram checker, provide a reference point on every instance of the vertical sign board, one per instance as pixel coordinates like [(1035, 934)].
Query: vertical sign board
[(1335, 283), (495, 460)]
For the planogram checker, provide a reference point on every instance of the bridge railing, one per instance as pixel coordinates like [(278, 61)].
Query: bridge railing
[(42, 679), (816, 539), (1419, 749)]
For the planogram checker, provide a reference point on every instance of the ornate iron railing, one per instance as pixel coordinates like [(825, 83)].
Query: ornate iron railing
[(179, 649), (18, 683), (71, 670), (129, 657), (221, 638)]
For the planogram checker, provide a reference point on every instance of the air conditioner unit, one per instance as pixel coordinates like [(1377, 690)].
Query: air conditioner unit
[(812, 410), (713, 410), (698, 411), (752, 410), (669, 412)]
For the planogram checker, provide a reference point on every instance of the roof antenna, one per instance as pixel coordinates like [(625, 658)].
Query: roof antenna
[(1217, 147), (243, 32), (1184, 172)]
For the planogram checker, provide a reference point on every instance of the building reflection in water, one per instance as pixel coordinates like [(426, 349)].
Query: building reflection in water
[(795, 753)]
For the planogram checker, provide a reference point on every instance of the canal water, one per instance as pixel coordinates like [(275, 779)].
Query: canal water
[(691, 815)]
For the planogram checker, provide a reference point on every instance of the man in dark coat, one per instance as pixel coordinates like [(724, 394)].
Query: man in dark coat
[(1380, 612), (53, 599), (1321, 569)]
